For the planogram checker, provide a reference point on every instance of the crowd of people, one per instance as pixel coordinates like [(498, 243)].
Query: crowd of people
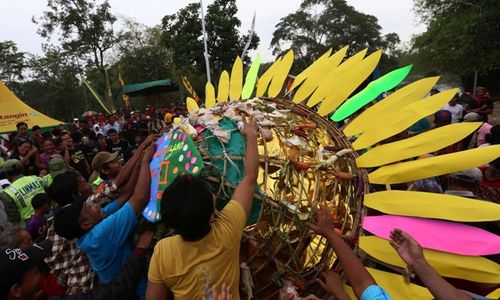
[(477, 183), (71, 199)]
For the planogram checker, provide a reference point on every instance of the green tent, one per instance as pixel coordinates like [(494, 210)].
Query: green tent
[(150, 87)]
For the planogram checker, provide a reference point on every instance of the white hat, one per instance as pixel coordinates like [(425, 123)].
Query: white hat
[(472, 117), (470, 175)]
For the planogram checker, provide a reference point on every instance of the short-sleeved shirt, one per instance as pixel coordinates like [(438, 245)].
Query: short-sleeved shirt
[(108, 244), (37, 226), (482, 132), (456, 111), (421, 126), (77, 161), (374, 292), (188, 268), (478, 103), (123, 149)]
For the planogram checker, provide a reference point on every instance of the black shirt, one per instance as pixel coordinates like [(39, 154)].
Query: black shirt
[(77, 161), (123, 149)]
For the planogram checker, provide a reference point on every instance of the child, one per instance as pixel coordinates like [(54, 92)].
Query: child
[(37, 225)]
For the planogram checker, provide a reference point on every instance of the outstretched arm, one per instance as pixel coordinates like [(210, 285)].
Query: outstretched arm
[(411, 252), (126, 172), (356, 273), (141, 193), (127, 191), (244, 192)]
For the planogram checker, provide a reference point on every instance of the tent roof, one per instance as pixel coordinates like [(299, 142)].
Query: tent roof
[(150, 87), (13, 111)]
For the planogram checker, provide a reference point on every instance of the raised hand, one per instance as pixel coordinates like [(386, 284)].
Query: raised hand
[(330, 282), (225, 293), (149, 152), (250, 127), (151, 139), (408, 249), (324, 223)]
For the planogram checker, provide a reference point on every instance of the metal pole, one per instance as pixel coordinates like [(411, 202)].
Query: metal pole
[(207, 62), (250, 35), (475, 84)]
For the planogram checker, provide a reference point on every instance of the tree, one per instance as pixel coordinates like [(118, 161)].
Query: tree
[(183, 35), (140, 54), (322, 24), (53, 86), (85, 28), (224, 40), (12, 62), (461, 36)]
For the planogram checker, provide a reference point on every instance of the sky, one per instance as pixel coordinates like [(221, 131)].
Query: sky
[(393, 15)]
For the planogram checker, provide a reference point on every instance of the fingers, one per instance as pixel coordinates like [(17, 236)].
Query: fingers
[(394, 245), (313, 227), (407, 237), (215, 296), (321, 283), (223, 292), (397, 236)]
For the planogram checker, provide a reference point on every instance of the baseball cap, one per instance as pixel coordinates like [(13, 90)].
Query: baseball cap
[(472, 117), (12, 165), (103, 158), (66, 220), (56, 166), (14, 262), (470, 175)]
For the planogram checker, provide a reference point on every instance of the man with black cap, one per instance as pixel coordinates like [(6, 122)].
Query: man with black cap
[(103, 234), (20, 272), (17, 197)]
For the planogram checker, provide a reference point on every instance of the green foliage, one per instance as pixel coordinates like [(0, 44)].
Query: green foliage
[(322, 24), (53, 87), (224, 40), (84, 28), (12, 62), (141, 48), (183, 35), (462, 36)]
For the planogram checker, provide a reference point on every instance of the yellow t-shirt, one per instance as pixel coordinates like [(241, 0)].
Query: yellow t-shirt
[(187, 268)]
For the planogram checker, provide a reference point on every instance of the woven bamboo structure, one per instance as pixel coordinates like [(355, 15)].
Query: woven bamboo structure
[(305, 161), (291, 182)]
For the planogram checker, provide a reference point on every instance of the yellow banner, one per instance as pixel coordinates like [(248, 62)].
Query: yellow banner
[(433, 206), (423, 143)]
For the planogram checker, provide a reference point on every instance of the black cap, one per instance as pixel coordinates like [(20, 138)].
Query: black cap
[(66, 220), (14, 262)]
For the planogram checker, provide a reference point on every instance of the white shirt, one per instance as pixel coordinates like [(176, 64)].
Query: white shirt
[(456, 112)]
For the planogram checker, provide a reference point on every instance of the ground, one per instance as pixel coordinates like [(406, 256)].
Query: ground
[(495, 117)]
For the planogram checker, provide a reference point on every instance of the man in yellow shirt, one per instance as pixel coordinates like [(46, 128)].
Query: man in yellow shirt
[(205, 251)]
